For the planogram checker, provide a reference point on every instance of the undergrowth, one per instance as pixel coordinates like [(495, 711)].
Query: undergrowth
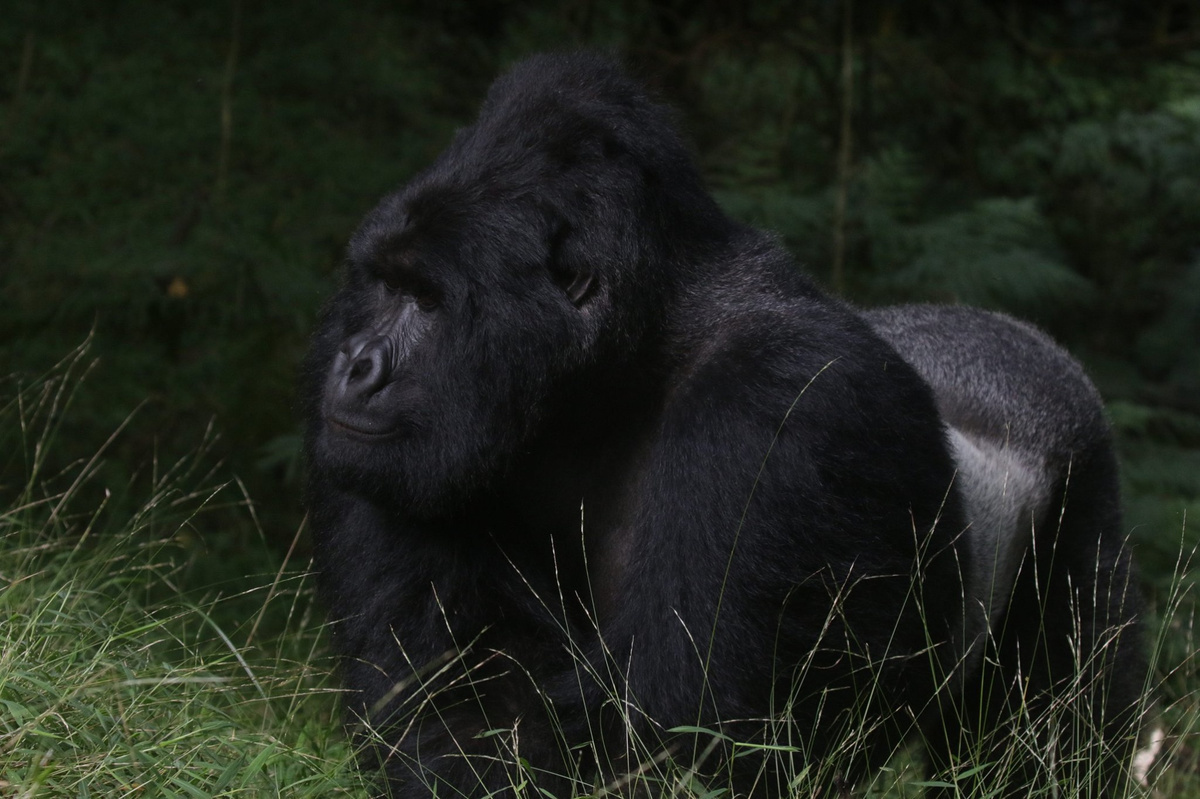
[(137, 659), (116, 677)]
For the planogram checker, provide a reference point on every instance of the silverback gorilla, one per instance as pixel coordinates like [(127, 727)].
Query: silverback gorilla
[(601, 485)]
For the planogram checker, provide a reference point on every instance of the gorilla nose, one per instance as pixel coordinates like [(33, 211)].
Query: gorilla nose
[(365, 368)]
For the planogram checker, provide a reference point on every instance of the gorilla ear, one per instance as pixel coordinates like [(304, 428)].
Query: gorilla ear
[(575, 285), (575, 282)]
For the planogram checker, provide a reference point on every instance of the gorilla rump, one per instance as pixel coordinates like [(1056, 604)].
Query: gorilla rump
[(593, 465)]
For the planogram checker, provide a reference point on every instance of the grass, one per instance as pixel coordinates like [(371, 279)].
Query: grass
[(137, 660), (116, 679)]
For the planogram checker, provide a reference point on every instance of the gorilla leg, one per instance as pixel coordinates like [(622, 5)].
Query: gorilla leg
[(1055, 655), (1057, 695)]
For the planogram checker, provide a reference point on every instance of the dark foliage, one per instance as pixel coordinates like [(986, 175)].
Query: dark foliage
[(181, 177)]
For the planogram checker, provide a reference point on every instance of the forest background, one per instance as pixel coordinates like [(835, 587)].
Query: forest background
[(178, 181)]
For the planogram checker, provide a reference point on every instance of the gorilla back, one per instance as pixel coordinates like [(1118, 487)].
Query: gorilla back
[(593, 466)]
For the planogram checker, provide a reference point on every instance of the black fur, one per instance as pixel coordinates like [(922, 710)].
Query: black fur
[(590, 461)]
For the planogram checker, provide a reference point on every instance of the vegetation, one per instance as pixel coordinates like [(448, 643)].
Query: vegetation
[(118, 679), (115, 679), (177, 181)]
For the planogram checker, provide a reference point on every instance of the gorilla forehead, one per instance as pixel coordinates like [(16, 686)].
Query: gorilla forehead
[(464, 224)]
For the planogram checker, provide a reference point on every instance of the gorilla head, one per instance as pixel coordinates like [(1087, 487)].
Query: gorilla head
[(499, 280)]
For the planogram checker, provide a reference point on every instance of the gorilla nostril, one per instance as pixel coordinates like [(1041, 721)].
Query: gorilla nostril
[(359, 369)]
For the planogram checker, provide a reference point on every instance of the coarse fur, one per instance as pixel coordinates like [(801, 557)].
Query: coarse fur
[(592, 465)]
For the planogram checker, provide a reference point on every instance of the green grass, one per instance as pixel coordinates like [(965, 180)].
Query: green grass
[(141, 655), (118, 679)]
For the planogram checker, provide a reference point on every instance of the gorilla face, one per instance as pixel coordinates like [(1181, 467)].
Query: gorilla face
[(442, 366)]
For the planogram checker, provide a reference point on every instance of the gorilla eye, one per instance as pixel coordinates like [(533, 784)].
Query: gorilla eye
[(412, 287), (426, 301)]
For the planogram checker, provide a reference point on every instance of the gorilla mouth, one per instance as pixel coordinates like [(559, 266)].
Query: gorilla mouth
[(360, 429)]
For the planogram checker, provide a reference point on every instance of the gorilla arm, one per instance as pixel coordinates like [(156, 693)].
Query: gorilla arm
[(440, 649), (751, 544)]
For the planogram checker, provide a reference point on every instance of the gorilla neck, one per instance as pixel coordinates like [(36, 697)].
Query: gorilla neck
[(563, 491)]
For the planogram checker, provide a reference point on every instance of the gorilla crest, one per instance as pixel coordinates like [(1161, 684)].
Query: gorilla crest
[(594, 467)]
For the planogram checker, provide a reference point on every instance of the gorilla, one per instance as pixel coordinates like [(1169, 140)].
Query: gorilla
[(604, 491)]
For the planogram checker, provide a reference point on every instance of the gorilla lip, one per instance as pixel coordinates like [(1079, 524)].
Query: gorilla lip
[(348, 430)]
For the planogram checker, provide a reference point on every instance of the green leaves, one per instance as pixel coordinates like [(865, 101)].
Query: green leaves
[(998, 254)]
